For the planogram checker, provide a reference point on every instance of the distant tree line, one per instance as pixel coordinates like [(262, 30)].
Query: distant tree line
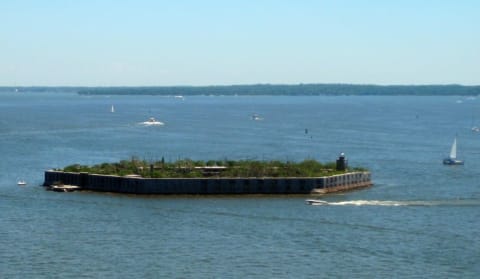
[(51, 89), (294, 90), (267, 89)]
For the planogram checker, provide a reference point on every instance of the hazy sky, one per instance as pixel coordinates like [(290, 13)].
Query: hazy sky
[(205, 42)]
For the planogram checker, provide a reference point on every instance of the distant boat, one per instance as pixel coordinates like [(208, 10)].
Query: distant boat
[(474, 127), (316, 202), (152, 122), (112, 109), (452, 159), (256, 117), (21, 183)]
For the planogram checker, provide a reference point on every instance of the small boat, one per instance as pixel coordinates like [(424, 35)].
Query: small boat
[(63, 188), (256, 117), (152, 122), (316, 202), (452, 159), (21, 183), (112, 109)]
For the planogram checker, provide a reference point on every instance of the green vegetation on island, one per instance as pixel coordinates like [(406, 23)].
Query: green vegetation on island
[(200, 169)]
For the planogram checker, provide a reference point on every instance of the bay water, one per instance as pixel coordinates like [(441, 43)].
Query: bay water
[(419, 219)]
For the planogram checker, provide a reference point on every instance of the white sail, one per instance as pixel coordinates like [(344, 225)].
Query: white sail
[(453, 151)]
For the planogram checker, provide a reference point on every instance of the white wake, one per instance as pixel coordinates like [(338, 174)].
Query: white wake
[(454, 202)]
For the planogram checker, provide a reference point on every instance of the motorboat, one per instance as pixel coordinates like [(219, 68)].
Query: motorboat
[(316, 202), (21, 183), (256, 117), (63, 188), (152, 122)]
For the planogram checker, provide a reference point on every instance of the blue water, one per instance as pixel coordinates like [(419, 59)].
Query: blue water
[(420, 219)]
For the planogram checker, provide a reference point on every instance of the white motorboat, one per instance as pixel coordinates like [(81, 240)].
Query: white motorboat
[(63, 188), (316, 202), (152, 122), (21, 183), (256, 117)]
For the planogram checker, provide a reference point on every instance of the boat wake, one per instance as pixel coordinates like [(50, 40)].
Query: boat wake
[(371, 202), (457, 202)]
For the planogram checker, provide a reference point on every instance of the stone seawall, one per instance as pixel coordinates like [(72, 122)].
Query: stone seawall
[(211, 186)]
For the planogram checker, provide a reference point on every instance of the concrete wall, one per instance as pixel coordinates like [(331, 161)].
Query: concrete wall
[(208, 186)]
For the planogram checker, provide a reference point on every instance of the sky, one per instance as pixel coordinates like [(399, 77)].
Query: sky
[(208, 42)]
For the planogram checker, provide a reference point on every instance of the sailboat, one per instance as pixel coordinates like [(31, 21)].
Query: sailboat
[(452, 159), (112, 109)]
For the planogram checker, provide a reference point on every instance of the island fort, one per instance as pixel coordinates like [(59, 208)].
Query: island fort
[(212, 177)]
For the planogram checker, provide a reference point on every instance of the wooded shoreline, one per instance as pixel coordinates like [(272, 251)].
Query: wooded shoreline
[(313, 89)]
